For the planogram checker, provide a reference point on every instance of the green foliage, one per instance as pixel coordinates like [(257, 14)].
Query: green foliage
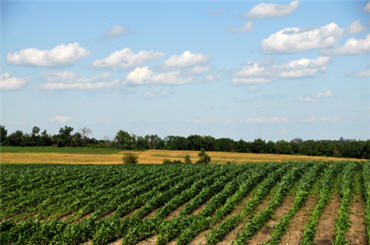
[(73, 204), (187, 159), (203, 157), (130, 158), (167, 161)]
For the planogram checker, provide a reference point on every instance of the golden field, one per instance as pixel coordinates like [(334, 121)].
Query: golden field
[(153, 157)]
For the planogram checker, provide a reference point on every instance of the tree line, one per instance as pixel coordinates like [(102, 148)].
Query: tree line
[(124, 140)]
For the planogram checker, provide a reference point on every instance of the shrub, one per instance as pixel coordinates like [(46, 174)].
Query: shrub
[(167, 161), (187, 159), (203, 157), (130, 158)]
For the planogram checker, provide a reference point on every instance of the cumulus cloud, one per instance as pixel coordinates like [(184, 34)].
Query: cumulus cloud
[(293, 39), (116, 31), (268, 10), (61, 55), (186, 59), (318, 96), (256, 80), (355, 27), (144, 75), (197, 70), (247, 27), (365, 73), (70, 81), (60, 119), (266, 120), (354, 46), (264, 72), (125, 58), (9, 82), (367, 8)]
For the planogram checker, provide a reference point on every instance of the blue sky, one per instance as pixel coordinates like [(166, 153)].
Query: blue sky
[(257, 69)]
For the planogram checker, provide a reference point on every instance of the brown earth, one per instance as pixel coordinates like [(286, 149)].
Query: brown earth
[(231, 236), (325, 228), (294, 232), (264, 233), (356, 234)]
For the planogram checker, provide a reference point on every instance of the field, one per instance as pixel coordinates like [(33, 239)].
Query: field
[(85, 155), (270, 203)]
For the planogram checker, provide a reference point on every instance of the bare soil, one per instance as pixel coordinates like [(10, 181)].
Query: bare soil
[(356, 234), (229, 238), (150, 241), (294, 233), (326, 226), (264, 234), (175, 212)]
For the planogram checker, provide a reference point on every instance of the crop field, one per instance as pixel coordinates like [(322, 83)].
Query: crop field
[(267, 203), (85, 155)]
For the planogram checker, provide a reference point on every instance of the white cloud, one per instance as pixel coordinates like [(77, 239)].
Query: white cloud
[(197, 70), (355, 46), (293, 39), (79, 85), (367, 8), (257, 80), (70, 81), (60, 119), (318, 96), (268, 10), (144, 75), (247, 27), (365, 73), (161, 93), (355, 27), (266, 120), (116, 31), (316, 119), (67, 76), (61, 55), (264, 72), (186, 59), (125, 58), (9, 82)]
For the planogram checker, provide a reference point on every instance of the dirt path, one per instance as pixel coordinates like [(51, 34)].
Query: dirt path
[(356, 234), (326, 226), (150, 241), (199, 209), (176, 211), (264, 233), (229, 238), (294, 232)]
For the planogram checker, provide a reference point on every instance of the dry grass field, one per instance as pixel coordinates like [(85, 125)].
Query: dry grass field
[(151, 157)]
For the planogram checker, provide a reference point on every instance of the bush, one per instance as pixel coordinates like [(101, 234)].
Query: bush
[(187, 159), (203, 157), (130, 158), (167, 161)]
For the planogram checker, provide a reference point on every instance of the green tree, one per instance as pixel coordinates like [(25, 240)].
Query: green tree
[(3, 134), (130, 158), (124, 140), (203, 157), (187, 159)]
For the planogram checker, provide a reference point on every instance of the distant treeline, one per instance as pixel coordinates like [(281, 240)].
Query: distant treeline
[(124, 140)]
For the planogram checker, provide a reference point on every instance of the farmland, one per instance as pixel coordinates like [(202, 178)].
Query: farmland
[(308, 202), (86, 155)]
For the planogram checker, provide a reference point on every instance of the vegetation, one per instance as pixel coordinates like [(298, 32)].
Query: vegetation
[(126, 141), (73, 204), (130, 158)]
